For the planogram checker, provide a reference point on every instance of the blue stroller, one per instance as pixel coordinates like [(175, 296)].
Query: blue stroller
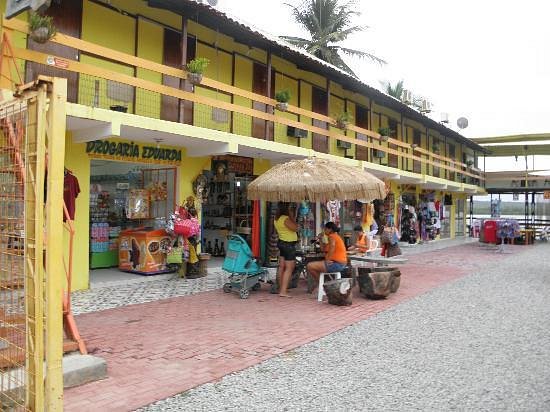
[(245, 272)]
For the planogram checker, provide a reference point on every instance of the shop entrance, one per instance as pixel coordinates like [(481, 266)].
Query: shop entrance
[(227, 209), (129, 206)]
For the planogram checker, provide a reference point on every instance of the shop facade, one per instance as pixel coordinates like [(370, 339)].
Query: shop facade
[(128, 189)]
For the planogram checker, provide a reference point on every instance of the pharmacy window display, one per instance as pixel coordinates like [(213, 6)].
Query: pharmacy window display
[(129, 206)]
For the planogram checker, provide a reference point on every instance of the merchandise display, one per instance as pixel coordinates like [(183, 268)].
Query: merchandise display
[(144, 251), (125, 197), (138, 204)]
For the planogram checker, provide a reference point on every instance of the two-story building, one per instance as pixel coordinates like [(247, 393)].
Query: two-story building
[(139, 133)]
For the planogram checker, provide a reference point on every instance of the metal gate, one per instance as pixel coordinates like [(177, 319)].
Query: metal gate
[(30, 302)]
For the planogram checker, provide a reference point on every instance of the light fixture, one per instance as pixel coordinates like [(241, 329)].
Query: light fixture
[(414, 146), (158, 140)]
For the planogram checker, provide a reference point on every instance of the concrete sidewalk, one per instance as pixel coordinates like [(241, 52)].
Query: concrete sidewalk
[(157, 349)]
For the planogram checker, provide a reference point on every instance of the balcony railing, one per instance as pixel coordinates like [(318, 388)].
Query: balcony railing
[(107, 79)]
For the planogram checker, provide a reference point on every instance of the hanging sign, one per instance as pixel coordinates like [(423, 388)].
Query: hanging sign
[(235, 164), (132, 152)]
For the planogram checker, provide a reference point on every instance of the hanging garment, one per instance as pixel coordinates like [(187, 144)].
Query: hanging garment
[(333, 209), (71, 189)]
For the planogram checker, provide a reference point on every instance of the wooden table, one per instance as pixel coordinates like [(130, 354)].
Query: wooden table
[(529, 235), (378, 260)]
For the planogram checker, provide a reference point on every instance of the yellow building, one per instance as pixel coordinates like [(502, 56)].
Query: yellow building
[(134, 120)]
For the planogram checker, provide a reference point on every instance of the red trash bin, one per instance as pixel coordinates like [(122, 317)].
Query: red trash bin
[(490, 231)]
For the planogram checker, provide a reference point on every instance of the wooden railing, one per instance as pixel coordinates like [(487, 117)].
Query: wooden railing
[(407, 152)]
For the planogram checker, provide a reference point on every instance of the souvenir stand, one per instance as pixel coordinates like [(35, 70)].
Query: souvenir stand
[(407, 218)]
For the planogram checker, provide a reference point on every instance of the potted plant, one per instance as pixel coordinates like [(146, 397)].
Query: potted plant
[(195, 69), (282, 97), (342, 120), (385, 133), (435, 148), (41, 28), (469, 163)]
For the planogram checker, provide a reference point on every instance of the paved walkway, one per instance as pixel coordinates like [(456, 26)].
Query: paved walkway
[(161, 348)]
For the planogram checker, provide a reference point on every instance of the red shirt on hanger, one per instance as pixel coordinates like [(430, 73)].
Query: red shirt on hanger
[(71, 189)]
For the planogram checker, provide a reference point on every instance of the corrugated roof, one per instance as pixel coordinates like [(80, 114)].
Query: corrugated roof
[(249, 34)]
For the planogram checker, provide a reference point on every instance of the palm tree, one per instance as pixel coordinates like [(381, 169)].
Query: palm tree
[(395, 90), (329, 23)]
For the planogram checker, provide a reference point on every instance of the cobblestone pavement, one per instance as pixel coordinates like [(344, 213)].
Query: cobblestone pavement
[(480, 343), (157, 349), (114, 295), (132, 293)]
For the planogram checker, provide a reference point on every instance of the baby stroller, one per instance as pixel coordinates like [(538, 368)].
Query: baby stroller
[(245, 272)]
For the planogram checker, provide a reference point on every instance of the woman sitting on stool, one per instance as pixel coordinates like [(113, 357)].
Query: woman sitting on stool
[(335, 258)]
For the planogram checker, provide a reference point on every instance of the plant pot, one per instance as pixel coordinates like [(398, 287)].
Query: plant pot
[(384, 138), (282, 106), (194, 78), (40, 35), (341, 124), (118, 108)]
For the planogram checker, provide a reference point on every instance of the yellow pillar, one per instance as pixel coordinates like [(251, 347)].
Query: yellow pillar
[(54, 253), (34, 249)]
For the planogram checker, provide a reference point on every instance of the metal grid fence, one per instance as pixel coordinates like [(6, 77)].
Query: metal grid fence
[(21, 313)]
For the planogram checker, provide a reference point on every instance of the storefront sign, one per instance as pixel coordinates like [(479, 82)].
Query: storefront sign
[(235, 164), (132, 152)]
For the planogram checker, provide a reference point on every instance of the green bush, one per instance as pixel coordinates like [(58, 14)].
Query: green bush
[(198, 65), (37, 21), (344, 117), (385, 131), (283, 96)]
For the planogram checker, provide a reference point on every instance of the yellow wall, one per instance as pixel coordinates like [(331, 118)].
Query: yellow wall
[(150, 36), (78, 162)]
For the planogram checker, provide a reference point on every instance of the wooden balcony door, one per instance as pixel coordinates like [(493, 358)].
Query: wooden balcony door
[(452, 155), (436, 170), (261, 129), (172, 56), (417, 140), (319, 104), (393, 159), (67, 17), (362, 121)]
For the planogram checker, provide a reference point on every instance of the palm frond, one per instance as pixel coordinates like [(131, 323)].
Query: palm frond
[(362, 55), (329, 22)]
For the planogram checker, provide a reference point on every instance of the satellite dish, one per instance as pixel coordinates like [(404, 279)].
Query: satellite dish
[(213, 3), (462, 122)]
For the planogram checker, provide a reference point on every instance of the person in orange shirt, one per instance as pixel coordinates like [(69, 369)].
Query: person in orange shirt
[(335, 257), (361, 240)]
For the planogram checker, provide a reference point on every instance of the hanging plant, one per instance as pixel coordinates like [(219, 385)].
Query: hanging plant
[(282, 97), (41, 28), (195, 69), (385, 133), (343, 120)]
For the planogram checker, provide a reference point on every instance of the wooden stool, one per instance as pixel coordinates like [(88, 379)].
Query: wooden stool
[(332, 276)]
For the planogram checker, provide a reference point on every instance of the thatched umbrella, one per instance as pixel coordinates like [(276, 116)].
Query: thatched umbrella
[(316, 180)]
